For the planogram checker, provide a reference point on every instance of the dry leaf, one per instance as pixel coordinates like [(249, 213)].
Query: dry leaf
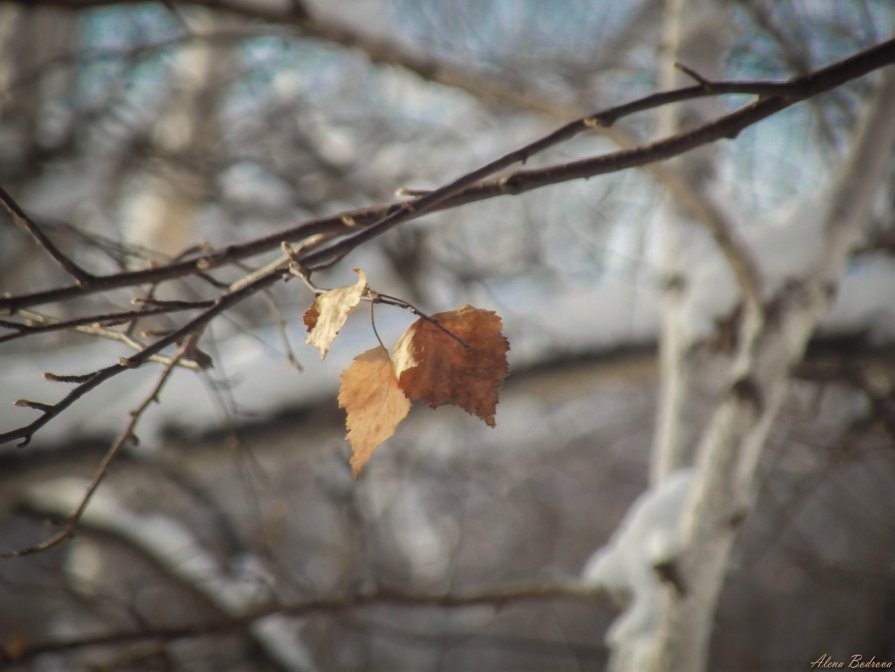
[(432, 366), (330, 310), (310, 317), (376, 405)]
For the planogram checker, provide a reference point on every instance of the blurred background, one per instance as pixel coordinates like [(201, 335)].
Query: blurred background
[(135, 132)]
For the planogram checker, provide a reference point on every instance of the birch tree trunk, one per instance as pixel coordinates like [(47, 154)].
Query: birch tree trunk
[(773, 333), (772, 340), (698, 41)]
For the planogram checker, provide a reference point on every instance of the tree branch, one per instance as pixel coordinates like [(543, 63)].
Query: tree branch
[(18, 215), (468, 188), (42, 324), (464, 189), (117, 446), (496, 597), (195, 325)]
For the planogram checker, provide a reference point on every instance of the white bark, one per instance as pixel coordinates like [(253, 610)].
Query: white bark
[(694, 33), (771, 343)]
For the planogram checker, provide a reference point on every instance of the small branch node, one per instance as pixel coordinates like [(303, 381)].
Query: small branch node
[(692, 74), (298, 269), (290, 252), (405, 192), (115, 322), (36, 405)]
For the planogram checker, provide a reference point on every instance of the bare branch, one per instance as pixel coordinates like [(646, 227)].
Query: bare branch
[(281, 326), (29, 226), (117, 446), (464, 189), (277, 315), (387, 299), (196, 324), (496, 597), (94, 325), (36, 323), (468, 188), (695, 76)]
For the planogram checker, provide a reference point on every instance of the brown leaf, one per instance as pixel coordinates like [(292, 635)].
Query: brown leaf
[(376, 405), (329, 311), (436, 368)]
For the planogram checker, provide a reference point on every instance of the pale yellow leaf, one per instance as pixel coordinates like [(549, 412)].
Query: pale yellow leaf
[(326, 316), (375, 404)]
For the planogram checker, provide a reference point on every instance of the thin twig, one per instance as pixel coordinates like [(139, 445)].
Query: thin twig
[(134, 344), (47, 324), (281, 326), (178, 17), (692, 74), (298, 270), (18, 215), (375, 330), (279, 321), (495, 597), (377, 297), (171, 305), (78, 326), (278, 266), (117, 446)]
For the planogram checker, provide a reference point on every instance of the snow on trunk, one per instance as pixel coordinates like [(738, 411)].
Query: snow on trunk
[(630, 566)]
